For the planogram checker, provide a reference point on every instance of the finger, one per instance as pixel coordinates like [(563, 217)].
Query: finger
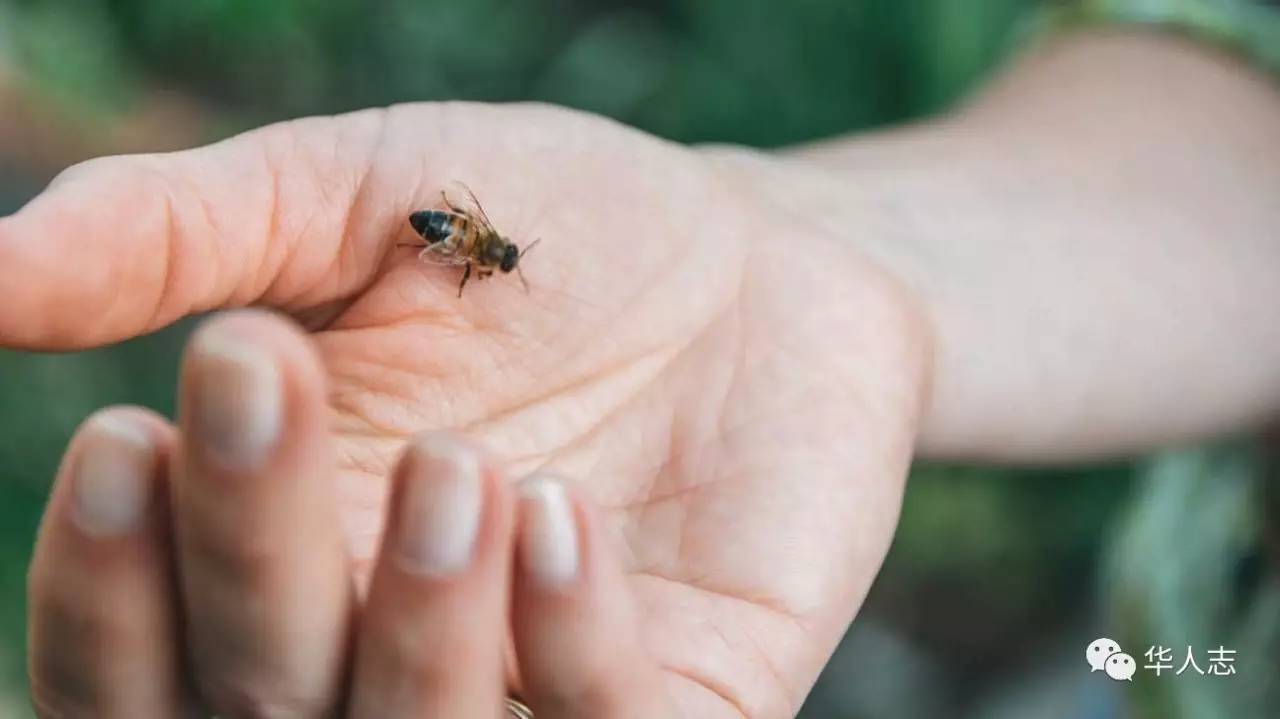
[(433, 631), (119, 246), (576, 627), (104, 640), (263, 567)]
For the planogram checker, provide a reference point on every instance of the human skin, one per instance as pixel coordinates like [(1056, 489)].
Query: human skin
[(1095, 237), (731, 354), (742, 413)]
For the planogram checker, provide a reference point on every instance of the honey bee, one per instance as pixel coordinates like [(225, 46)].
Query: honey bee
[(465, 236)]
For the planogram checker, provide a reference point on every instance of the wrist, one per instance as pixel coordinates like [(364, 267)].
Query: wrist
[(842, 217)]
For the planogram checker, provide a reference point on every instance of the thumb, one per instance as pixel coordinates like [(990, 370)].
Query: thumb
[(121, 246)]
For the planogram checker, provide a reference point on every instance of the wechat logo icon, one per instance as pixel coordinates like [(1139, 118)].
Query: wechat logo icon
[(1105, 655)]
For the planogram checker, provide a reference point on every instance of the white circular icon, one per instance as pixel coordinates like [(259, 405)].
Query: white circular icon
[(1099, 651), (1121, 667)]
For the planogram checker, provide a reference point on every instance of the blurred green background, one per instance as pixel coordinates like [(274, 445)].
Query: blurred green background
[(998, 579)]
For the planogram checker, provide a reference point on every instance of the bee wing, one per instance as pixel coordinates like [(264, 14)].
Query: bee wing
[(438, 254), (479, 209)]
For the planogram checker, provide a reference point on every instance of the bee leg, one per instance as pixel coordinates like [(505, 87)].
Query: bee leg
[(466, 274), (452, 208)]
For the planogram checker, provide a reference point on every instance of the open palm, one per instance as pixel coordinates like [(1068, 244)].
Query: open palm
[(736, 390)]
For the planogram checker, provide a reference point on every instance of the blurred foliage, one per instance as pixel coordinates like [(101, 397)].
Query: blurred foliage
[(752, 71), (990, 569), (1190, 570)]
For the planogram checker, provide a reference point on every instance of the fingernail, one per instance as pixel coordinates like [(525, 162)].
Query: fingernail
[(112, 476), (548, 533), (236, 400), (440, 508)]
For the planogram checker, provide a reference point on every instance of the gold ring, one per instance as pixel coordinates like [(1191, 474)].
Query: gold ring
[(518, 710)]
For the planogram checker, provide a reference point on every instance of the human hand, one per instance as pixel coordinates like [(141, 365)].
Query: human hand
[(737, 388), (107, 616)]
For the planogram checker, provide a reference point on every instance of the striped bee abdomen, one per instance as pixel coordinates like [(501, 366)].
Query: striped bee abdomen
[(434, 225)]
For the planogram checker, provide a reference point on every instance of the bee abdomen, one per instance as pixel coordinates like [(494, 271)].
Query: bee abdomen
[(433, 225)]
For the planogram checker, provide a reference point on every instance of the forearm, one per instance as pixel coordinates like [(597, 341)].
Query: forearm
[(1096, 240)]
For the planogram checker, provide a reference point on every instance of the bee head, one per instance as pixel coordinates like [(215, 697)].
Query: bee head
[(510, 256)]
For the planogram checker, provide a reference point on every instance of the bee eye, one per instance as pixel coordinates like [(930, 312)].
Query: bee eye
[(510, 256)]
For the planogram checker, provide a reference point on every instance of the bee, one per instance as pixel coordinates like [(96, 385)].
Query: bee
[(465, 236)]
